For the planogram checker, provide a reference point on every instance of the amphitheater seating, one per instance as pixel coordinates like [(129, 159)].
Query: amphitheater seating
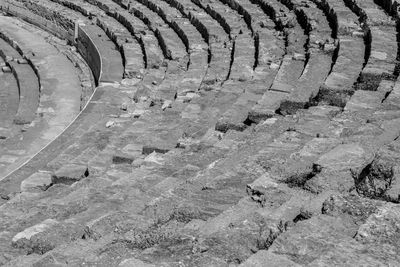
[(244, 55), (221, 132), (218, 40), (128, 46), (382, 61)]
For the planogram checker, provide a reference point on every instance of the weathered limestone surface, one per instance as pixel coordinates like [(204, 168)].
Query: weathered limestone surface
[(220, 133)]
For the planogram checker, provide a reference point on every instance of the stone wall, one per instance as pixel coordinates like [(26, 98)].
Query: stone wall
[(89, 52)]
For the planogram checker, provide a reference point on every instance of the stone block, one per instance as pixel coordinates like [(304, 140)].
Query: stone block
[(38, 181), (69, 174)]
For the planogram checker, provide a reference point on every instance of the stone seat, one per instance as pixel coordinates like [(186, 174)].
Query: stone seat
[(218, 40), (194, 42), (321, 52), (28, 85), (146, 38), (150, 45), (350, 54), (382, 61), (264, 29), (243, 54), (174, 47), (160, 83), (292, 64)]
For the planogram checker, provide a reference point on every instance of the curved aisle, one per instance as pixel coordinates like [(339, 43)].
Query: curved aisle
[(59, 100)]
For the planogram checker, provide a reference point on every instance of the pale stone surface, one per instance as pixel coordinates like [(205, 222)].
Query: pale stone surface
[(70, 173), (39, 181), (34, 230), (343, 157)]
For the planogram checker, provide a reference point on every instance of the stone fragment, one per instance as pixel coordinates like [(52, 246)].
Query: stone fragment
[(110, 124), (33, 230), (22, 61), (69, 174), (267, 192), (166, 104), (376, 178), (37, 182), (154, 158), (124, 106), (138, 112), (298, 56), (261, 185), (46, 235)]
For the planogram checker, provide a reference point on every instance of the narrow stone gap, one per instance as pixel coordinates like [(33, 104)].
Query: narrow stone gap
[(174, 26), (303, 21), (195, 22), (333, 24), (257, 50), (231, 61), (221, 21), (364, 25)]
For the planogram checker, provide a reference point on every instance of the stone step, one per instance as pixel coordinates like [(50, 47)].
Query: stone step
[(216, 37), (351, 48), (192, 38), (147, 39), (243, 56), (382, 63), (9, 99), (29, 91), (172, 46)]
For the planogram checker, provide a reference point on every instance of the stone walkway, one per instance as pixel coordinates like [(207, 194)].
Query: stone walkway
[(60, 95)]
